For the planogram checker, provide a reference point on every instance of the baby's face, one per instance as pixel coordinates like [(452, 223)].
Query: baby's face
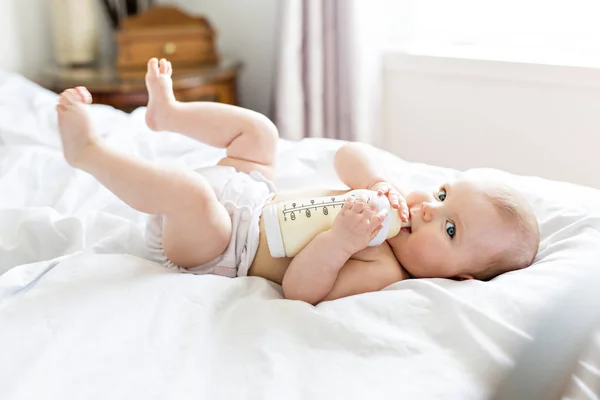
[(454, 230)]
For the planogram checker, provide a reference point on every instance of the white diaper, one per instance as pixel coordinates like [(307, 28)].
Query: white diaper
[(244, 196)]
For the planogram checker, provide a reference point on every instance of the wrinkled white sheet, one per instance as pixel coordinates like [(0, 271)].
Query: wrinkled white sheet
[(84, 316)]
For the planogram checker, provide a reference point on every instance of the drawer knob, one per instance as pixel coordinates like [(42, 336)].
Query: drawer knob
[(169, 48)]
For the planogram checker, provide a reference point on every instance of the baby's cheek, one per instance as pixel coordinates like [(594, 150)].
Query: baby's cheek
[(424, 252), (415, 250), (415, 258), (428, 251), (424, 243)]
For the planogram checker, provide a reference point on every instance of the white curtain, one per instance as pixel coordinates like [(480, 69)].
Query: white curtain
[(329, 69)]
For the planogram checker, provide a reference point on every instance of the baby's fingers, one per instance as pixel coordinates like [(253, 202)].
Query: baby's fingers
[(360, 204), (392, 194), (394, 198), (377, 219), (348, 203), (383, 188), (403, 208)]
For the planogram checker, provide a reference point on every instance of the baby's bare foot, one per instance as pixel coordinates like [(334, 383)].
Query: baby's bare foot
[(74, 124), (160, 93)]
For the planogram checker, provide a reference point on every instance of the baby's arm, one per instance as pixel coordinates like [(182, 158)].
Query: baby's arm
[(370, 270), (358, 171), (314, 271)]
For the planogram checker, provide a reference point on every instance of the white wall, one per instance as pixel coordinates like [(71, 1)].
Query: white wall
[(523, 118), (246, 28), (25, 43), (8, 45)]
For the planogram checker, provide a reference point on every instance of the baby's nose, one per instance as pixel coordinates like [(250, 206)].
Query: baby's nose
[(427, 211)]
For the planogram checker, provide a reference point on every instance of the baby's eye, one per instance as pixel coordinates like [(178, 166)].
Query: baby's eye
[(450, 229), (441, 195)]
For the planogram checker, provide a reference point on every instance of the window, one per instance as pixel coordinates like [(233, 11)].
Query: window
[(558, 28)]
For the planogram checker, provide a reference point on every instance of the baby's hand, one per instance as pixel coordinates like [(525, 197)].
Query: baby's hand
[(358, 223), (396, 200)]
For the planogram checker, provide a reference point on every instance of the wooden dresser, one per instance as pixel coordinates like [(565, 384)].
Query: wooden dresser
[(127, 90)]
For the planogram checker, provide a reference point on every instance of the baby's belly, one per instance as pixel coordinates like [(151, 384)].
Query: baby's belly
[(266, 266)]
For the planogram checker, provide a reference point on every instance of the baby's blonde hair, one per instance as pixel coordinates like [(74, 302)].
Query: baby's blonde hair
[(522, 247)]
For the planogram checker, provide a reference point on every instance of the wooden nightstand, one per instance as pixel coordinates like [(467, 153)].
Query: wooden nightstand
[(127, 90)]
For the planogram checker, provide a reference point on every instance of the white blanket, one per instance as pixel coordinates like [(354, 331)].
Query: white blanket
[(84, 316)]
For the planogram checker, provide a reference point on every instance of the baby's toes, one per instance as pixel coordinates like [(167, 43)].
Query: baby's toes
[(64, 100), (68, 97), (152, 71), (163, 66), (84, 95)]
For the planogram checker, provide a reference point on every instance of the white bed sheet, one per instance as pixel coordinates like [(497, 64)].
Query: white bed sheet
[(84, 316)]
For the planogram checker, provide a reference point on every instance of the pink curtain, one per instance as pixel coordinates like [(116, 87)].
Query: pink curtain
[(315, 87)]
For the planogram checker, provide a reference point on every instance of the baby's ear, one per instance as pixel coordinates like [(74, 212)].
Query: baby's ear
[(464, 277)]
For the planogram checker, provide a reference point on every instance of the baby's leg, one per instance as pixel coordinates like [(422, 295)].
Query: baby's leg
[(197, 228), (249, 137)]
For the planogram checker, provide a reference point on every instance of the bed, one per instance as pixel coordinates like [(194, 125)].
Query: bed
[(84, 315)]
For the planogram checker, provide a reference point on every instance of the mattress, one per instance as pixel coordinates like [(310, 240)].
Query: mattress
[(85, 315)]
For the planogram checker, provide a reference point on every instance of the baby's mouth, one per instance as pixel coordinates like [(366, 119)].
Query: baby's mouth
[(407, 229)]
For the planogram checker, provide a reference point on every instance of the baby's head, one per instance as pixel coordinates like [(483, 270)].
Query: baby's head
[(471, 228)]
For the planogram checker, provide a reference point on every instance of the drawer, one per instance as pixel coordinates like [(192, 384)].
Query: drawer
[(181, 51), (166, 31)]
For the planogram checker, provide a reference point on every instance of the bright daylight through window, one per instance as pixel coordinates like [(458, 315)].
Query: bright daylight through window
[(554, 31)]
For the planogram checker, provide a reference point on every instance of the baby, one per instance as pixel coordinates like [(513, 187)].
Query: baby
[(210, 221)]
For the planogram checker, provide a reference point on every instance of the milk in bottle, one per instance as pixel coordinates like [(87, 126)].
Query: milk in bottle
[(291, 224)]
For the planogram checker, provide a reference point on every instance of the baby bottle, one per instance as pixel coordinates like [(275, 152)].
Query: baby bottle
[(291, 224)]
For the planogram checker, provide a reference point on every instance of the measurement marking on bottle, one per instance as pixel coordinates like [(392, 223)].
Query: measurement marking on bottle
[(296, 210)]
